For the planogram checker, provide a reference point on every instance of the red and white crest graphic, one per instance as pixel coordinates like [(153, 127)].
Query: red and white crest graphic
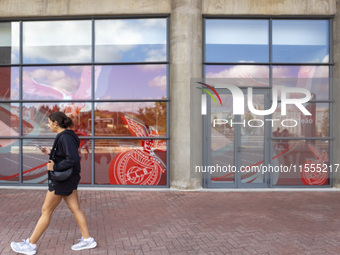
[(317, 176), (139, 166)]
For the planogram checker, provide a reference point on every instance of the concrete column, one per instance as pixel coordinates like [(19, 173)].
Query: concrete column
[(336, 92), (185, 63)]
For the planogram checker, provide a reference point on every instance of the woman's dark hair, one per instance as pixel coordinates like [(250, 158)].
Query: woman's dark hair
[(62, 120)]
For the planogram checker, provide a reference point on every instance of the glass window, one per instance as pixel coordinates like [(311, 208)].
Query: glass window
[(9, 43), (131, 82), (36, 116), (9, 119), (301, 41), (236, 40), (315, 125), (239, 75), (66, 41), (34, 162), (130, 119), (130, 162), (85, 153), (313, 78), (130, 40), (309, 158), (9, 160), (302, 45), (9, 83), (60, 70), (57, 82)]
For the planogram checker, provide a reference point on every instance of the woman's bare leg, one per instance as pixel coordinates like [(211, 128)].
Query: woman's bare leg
[(73, 205), (51, 202)]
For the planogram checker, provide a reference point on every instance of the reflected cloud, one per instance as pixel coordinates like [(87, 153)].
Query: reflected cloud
[(130, 31), (240, 71), (57, 41), (57, 83), (57, 54), (156, 54), (159, 82)]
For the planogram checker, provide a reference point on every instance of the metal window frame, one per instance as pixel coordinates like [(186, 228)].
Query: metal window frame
[(270, 64), (21, 138)]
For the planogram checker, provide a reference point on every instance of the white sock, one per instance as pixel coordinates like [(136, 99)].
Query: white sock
[(32, 245), (88, 239)]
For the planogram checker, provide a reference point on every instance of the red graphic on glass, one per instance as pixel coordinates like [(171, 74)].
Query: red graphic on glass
[(139, 166), (315, 174)]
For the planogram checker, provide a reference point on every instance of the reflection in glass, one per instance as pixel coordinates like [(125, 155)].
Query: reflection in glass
[(300, 41), (222, 139), (231, 40), (130, 119), (132, 82), (239, 75), (57, 83), (36, 115), (66, 41), (85, 153), (9, 119), (251, 145), (309, 158), (9, 43), (313, 78), (315, 125), (34, 161), (130, 162), (130, 40), (9, 160), (9, 83)]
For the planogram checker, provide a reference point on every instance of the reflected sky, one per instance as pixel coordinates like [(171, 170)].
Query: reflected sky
[(57, 41), (296, 41), (118, 40), (131, 82), (74, 82), (57, 82), (130, 40), (300, 41), (237, 40)]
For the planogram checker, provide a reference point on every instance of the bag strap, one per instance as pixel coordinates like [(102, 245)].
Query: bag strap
[(54, 148)]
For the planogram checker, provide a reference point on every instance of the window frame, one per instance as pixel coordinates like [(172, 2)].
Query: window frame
[(271, 64), (21, 138)]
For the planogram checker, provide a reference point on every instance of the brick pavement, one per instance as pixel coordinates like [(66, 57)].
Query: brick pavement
[(178, 222)]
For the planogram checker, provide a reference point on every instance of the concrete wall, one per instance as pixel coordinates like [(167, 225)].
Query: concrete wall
[(42, 8), (336, 92), (185, 52), (269, 7), (186, 63)]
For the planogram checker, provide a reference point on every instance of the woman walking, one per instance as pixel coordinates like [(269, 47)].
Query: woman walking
[(64, 155)]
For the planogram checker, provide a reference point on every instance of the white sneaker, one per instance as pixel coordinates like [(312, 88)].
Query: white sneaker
[(83, 244), (24, 247)]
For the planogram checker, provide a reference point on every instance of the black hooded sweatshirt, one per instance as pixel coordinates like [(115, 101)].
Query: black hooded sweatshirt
[(66, 154)]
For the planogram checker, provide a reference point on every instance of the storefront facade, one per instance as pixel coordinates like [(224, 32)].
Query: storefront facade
[(125, 72)]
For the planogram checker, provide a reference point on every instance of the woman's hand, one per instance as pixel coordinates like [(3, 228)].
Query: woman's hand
[(50, 165), (46, 150)]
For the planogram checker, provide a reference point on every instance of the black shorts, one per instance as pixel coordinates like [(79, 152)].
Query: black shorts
[(64, 188)]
